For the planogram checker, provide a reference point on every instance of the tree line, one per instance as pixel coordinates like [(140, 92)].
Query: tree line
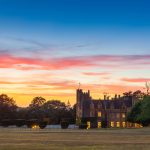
[(53, 111), (44, 112)]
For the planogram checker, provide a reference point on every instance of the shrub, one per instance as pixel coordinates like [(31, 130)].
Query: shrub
[(20, 122), (6, 123), (83, 126), (42, 124), (64, 124), (104, 123), (32, 122)]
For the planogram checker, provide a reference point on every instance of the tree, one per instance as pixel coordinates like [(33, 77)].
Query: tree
[(7, 107), (37, 102), (57, 110), (144, 116), (128, 93), (35, 108), (133, 115), (140, 113), (22, 113), (137, 94)]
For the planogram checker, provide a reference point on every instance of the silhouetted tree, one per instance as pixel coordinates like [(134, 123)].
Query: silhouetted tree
[(139, 94), (22, 113), (8, 107), (37, 102), (136, 94), (128, 93), (35, 108), (57, 110)]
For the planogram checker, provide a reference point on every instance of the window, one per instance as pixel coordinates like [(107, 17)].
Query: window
[(112, 115), (117, 115), (99, 114), (117, 124), (123, 124), (99, 105), (123, 115), (99, 124), (112, 124)]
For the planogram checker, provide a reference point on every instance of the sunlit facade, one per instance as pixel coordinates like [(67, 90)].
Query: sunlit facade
[(111, 111)]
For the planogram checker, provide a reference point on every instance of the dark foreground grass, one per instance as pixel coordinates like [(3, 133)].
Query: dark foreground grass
[(57, 139)]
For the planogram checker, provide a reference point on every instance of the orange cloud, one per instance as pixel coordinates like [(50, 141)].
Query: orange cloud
[(136, 79), (96, 73)]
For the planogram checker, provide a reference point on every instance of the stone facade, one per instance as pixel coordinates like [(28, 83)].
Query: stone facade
[(93, 112)]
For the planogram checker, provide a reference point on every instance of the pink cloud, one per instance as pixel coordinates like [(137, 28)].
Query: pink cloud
[(9, 61), (103, 61)]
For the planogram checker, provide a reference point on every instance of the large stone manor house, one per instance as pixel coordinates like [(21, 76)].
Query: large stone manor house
[(113, 111)]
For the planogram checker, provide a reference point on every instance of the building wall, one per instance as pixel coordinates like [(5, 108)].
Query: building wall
[(113, 111)]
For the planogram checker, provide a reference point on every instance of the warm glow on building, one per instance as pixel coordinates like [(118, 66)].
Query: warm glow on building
[(88, 125), (123, 115), (99, 124), (123, 124), (112, 124), (99, 114), (117, 124)]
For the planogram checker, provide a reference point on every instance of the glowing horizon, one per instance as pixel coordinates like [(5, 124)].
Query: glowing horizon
[(46, 49)]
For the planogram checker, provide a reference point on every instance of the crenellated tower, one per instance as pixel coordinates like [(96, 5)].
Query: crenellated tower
[(83, 101)]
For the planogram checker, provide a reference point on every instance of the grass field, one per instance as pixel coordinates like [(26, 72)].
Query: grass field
[(74, 139)]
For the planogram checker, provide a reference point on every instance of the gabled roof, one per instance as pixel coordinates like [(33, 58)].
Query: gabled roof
[(117, 103)]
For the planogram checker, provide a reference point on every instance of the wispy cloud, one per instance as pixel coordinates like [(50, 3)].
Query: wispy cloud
[(136, 79), (32, 42), (103, 61), (96, 73)]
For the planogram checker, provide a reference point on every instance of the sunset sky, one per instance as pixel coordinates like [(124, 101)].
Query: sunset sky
[(48, 46)]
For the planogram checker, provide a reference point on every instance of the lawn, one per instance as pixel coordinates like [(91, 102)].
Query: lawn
[(74, 139)]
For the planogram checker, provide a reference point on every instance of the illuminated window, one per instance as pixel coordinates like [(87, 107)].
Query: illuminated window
[(88, 125), (112, 124), (123, 124), (123, 115), (99, 114), (118, 124), (99, 124)]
